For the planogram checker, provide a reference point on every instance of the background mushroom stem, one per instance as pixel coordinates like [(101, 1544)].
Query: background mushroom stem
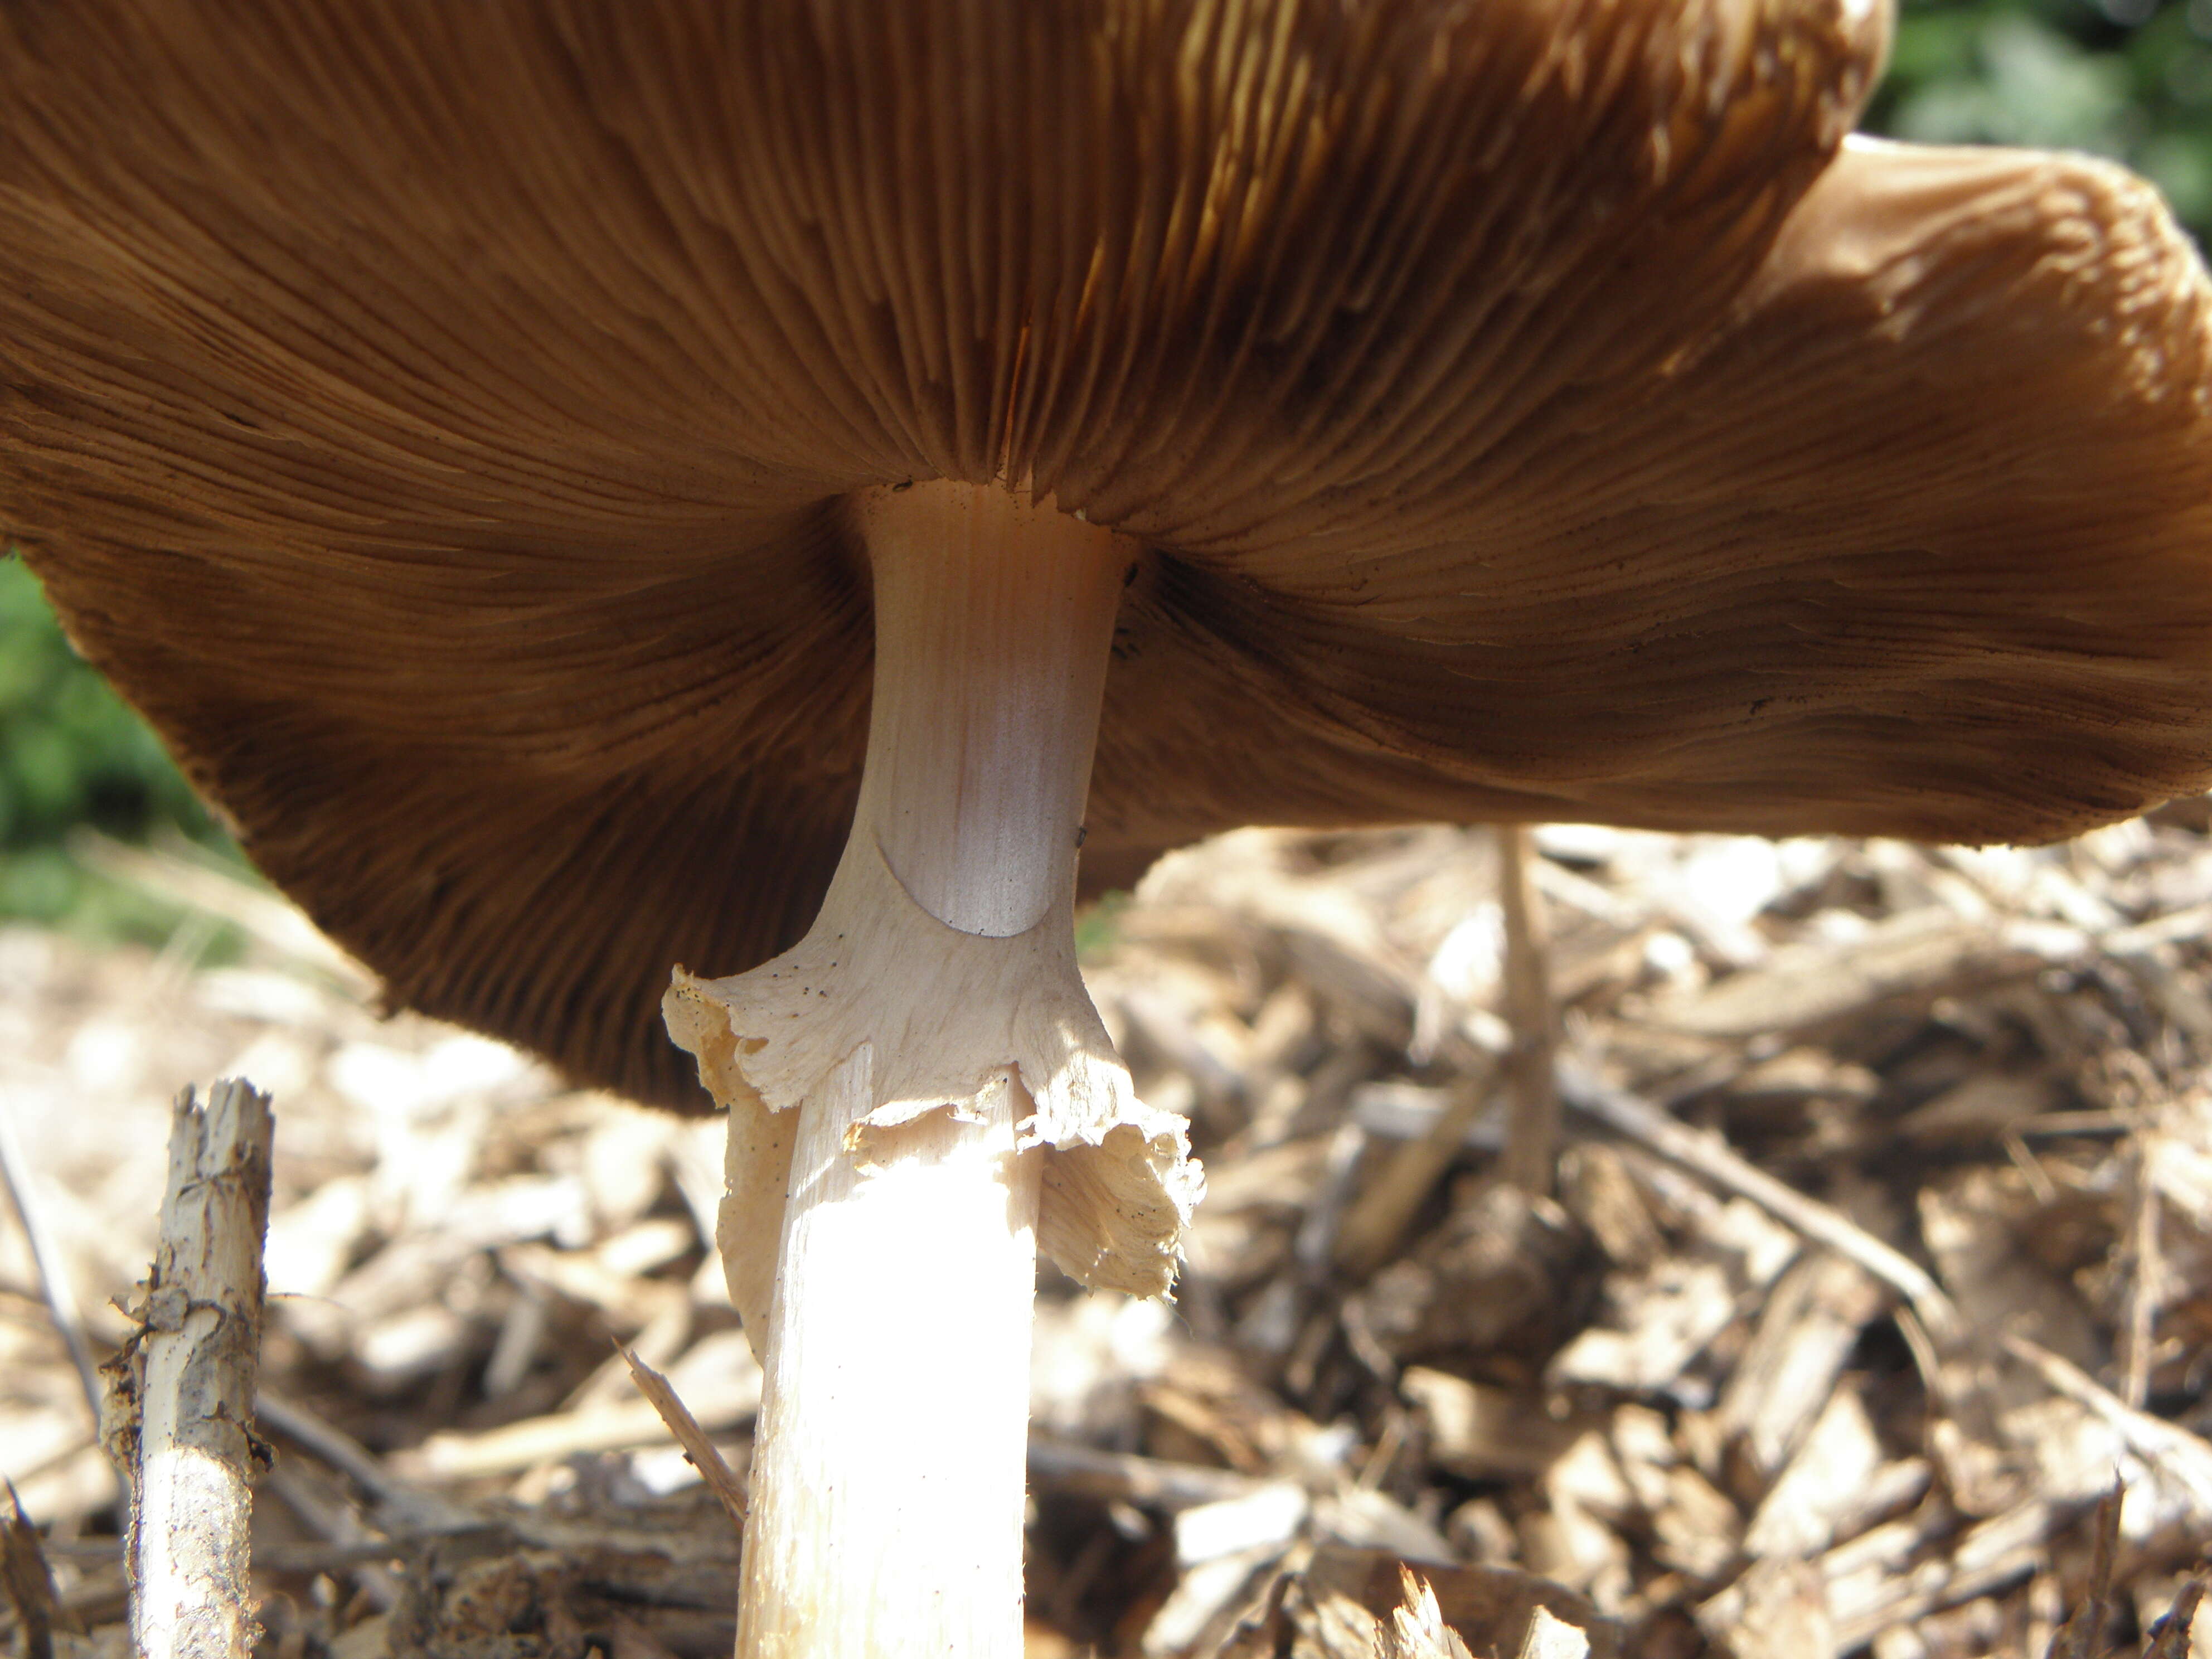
[(1532, 1130), (887, 1488)]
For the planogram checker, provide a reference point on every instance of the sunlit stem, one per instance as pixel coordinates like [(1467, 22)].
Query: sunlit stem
[(887, 1479)]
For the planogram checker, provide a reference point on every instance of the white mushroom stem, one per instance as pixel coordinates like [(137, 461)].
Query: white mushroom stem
[(887, 1474), (993, 619)]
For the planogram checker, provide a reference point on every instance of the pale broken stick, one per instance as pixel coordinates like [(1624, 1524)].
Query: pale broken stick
[(181, 1390), (698, 1450)]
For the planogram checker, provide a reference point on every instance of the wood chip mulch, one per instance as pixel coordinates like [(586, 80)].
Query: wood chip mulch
[(1871, 1310)]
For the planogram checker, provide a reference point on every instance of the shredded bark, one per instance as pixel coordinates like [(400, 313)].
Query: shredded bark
[(1682, 1412)]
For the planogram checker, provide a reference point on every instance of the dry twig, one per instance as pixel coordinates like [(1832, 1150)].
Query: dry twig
[(698, 1450), (1708, 1156), (28, 1580), (2082, 1635), (2171, 1452), (2170, 1637), (183, 1388)]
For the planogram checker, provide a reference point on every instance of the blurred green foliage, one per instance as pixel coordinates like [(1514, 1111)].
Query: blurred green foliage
[(73, 755), (2130, 79)]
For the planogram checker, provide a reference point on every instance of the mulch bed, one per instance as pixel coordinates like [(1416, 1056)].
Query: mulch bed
[(1880, 1257)]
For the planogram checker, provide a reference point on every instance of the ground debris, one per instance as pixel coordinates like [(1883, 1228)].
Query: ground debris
[(1882, 1246)]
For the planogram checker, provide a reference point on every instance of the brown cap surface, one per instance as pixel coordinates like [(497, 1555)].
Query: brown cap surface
[(438, 420)]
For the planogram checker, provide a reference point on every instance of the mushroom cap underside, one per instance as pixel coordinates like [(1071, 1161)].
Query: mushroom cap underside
[(442, 428)]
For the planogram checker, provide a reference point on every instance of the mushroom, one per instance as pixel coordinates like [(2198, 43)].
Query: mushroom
[(484, 441)]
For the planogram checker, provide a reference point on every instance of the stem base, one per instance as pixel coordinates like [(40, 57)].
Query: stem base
[(911, 1335)]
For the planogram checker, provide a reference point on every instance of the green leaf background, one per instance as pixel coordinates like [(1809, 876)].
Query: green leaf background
[(2129, 79), (73, 758)]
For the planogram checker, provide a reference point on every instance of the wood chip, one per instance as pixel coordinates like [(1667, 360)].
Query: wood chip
[(1481, 1431), (1913, 956)]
